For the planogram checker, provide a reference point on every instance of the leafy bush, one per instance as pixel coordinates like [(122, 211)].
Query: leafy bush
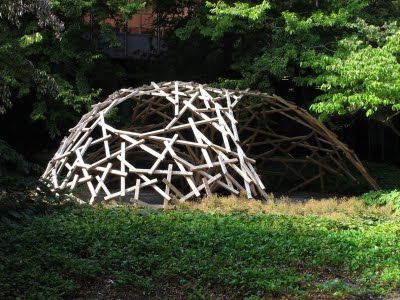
[(22, 199), (12, 160), (388, 178), (382, 198)]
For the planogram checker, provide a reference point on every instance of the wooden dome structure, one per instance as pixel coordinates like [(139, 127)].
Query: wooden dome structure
[(184, 139), (178, 139)]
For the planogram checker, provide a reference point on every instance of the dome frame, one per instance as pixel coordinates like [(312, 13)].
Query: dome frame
[(191, 134), (217, 162)]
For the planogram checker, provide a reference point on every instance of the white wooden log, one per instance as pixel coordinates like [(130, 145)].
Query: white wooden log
[(137, 190), (122, 156), (167, 187)]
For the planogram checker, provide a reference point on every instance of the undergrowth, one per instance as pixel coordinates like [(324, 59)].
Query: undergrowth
[(383, 198), (210, 250), (388, 178)]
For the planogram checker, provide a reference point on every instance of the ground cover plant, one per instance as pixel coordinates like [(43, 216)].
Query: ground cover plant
[(223, 248)]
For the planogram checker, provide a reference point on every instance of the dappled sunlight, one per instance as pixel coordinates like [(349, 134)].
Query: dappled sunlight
[(333, 208)]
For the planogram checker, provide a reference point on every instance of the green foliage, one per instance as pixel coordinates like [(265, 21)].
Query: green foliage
[(130, 8), (28, 40), (357, 76), (64, 251), (24, 198), (239, 9), (19, 36), (349, 50), (11, 162), (382, 198), (9, 156), (223, 18), (49, 63)]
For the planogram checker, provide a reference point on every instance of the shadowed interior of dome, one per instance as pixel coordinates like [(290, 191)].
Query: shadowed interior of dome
[(293, 150)]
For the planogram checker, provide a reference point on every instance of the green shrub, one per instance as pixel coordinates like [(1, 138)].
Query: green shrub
[(382, 198), (11, 162)]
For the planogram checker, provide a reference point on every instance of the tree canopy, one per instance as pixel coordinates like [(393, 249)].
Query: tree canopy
[(49, 53), (349, 50)]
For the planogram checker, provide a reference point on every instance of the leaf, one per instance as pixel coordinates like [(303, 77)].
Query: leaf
[(28, 40)]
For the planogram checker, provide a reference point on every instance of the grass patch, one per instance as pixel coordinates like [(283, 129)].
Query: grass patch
[(345, 209), (216, 249)]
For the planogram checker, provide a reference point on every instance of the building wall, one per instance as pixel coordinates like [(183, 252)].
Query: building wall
[(138, 36)]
